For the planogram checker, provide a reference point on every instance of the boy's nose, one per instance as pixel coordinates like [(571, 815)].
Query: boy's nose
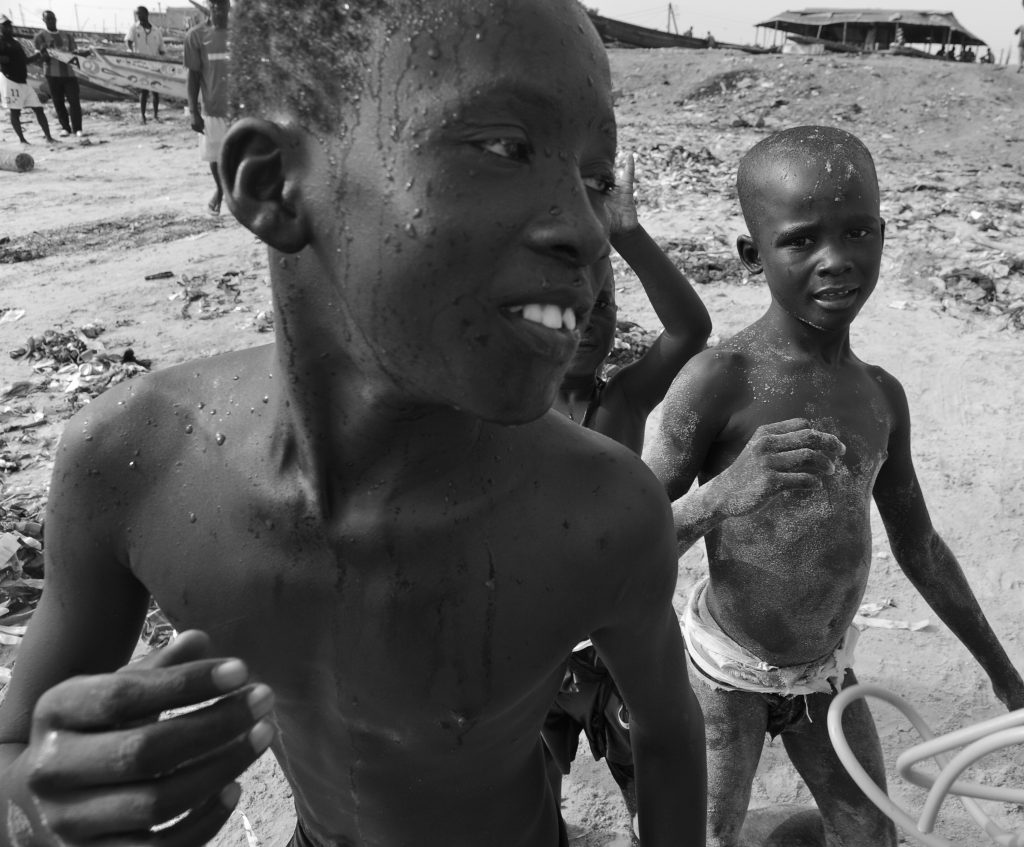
[(833, 260), (570, 228)]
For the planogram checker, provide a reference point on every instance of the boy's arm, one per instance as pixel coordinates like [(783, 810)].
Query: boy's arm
[(83, 755), (681, 312), (644, 652), (928, 562), (783, 456)]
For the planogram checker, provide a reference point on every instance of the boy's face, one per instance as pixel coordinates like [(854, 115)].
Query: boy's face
[(467, 202), (819, 239), (598, 335)]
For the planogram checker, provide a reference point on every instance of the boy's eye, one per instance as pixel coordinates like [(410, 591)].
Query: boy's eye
[(601, 183), (800, 241), (860, 232), (515, 149)]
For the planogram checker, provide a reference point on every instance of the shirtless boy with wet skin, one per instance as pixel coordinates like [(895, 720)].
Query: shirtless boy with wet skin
[(769, 634), (397, 572)]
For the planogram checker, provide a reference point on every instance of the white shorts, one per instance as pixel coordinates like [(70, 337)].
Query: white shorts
[(18, 95), (214, 130)]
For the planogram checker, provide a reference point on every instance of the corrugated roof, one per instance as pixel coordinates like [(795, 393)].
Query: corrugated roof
[(833, 24)]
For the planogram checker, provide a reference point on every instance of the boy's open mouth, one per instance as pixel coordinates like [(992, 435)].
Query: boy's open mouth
[(836, 297), (546, 314), (544, 329)]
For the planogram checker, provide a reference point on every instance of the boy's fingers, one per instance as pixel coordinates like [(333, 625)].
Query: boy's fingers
[(75, 760), (198, 827), (800, 481), (105, 701), (802, 439), (132, 807), (803, 459), (789, 425)]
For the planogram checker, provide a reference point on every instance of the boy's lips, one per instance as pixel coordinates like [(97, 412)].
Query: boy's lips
[(836, 297), (547, 329)]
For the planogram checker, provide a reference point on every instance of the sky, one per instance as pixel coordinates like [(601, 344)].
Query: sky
[(992, 21)]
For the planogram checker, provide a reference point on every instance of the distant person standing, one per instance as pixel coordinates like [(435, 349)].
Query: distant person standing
[(60, 78), (1020, 48), (207, 54), (146, 39), (15, 92)]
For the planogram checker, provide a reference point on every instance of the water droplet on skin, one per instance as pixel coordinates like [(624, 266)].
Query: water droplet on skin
[(219, 438), (479, 36), (434, 53), (266, 398), (191, 517), (88, 438), (189, 429), (282, 262), (417, 213), (410, 230), (554, 211), (131, 464), (200, 405), (410, 184)]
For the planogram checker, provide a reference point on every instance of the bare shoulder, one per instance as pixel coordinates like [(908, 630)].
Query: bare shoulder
[(891, 388), (709, 384), (123, 442), (612, 490)]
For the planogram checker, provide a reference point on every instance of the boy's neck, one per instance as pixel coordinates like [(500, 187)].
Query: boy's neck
[(344, 432), (832, 346)]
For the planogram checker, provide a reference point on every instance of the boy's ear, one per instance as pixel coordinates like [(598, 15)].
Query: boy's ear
[(748, 254), (261, 184)]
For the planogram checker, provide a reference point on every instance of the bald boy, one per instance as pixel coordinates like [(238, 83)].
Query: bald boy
[(769, 631)]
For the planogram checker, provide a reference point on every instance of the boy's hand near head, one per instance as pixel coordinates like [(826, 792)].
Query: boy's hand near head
[(622, 216), (100, 764)]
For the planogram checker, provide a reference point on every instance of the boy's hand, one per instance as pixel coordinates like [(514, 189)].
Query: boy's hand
[(102, 766), (621, 202), (783, 456), (1011, 696)]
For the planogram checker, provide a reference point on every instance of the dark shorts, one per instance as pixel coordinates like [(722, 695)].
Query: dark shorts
[(786, 712), (588, 701), (301, 839)]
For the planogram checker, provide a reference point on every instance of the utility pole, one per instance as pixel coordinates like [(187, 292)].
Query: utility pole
[(672, 25)]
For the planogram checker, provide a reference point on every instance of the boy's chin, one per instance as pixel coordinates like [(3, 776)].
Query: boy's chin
[(509, 408)]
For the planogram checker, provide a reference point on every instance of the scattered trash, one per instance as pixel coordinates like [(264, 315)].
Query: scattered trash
[(865, 618)]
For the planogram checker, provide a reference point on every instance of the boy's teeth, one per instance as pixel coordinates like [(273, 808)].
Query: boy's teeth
[(548, 314)]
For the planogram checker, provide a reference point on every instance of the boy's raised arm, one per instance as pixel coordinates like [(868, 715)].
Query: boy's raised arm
[(685, 318), (644, 652), (928, 563), (83, 755)]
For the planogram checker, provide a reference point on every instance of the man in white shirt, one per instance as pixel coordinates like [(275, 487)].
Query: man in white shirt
[(146, 39)]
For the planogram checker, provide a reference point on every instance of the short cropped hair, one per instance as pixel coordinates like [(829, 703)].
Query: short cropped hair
[(797, 144), (306, 57)]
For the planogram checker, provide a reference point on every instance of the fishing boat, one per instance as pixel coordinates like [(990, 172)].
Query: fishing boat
[(622, 34), (108, 72)]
